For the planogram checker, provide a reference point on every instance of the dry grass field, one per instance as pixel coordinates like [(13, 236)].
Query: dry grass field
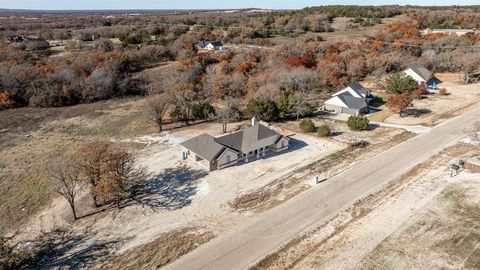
[(345, 30), (31, 139)]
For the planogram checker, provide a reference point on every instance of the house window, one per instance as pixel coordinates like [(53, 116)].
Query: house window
[(228, 159), (283, 144)]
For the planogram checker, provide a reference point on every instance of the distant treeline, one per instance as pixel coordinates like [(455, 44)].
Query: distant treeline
[(356, 11)]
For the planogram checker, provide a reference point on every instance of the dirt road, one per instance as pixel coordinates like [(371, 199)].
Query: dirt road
[(244, 245)]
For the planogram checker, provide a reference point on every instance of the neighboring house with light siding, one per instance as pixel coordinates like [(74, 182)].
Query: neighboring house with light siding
[(210, 45), (352, 100)]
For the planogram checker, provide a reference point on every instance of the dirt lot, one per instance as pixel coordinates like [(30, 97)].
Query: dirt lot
[(182, 194), (424, 220)]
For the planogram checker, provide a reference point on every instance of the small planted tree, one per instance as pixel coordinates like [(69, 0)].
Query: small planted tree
[(401, 83), (398, 103), (307, 125), (358, 123), (442, 92), (323, 131), (421, 91)]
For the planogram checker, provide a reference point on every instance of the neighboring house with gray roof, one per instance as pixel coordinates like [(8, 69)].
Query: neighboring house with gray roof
[(215, 153), (210, 45), (352, 100), (420, 74)]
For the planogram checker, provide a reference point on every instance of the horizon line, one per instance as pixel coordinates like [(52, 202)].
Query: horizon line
[(222, 9)]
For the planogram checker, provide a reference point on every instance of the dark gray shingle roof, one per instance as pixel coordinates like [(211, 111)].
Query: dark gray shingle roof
[(250, 138), (246, 140), (422, 71), (205, 146), (352, 102), (359, 89), (233, 140), (216, 43)]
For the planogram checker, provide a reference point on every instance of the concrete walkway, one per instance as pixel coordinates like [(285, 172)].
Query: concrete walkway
[(415, 129)]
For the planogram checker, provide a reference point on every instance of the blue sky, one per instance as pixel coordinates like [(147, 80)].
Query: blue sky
[(205, 4)]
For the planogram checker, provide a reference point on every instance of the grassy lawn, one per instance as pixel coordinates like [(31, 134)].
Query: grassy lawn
[(381, 115)]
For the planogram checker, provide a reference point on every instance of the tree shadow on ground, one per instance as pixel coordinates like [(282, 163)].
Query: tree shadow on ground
[(171, 189), (335, 133), (416, 112), (61, 249)]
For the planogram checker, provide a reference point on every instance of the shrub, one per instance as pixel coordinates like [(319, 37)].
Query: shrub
[(307, 125), (263, 108), (399, 82), (442, 92), (6, 100), (357, 20), (358, 123), (358, 144), (323, 131), (421, 91)]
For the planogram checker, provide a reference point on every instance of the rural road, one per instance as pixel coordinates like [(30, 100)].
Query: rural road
[(247, 243)]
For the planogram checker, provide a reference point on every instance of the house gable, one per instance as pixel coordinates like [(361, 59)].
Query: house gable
[(347, 90), (336, 101), (410, 72), (227, 156)]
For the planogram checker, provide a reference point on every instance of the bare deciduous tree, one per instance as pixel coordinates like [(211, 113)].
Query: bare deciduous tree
[(300, 107), (156, 108), (230, 113), (67, 178), (183, 97)]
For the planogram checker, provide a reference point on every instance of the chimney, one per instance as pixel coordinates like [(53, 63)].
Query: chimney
[(254, 121)]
